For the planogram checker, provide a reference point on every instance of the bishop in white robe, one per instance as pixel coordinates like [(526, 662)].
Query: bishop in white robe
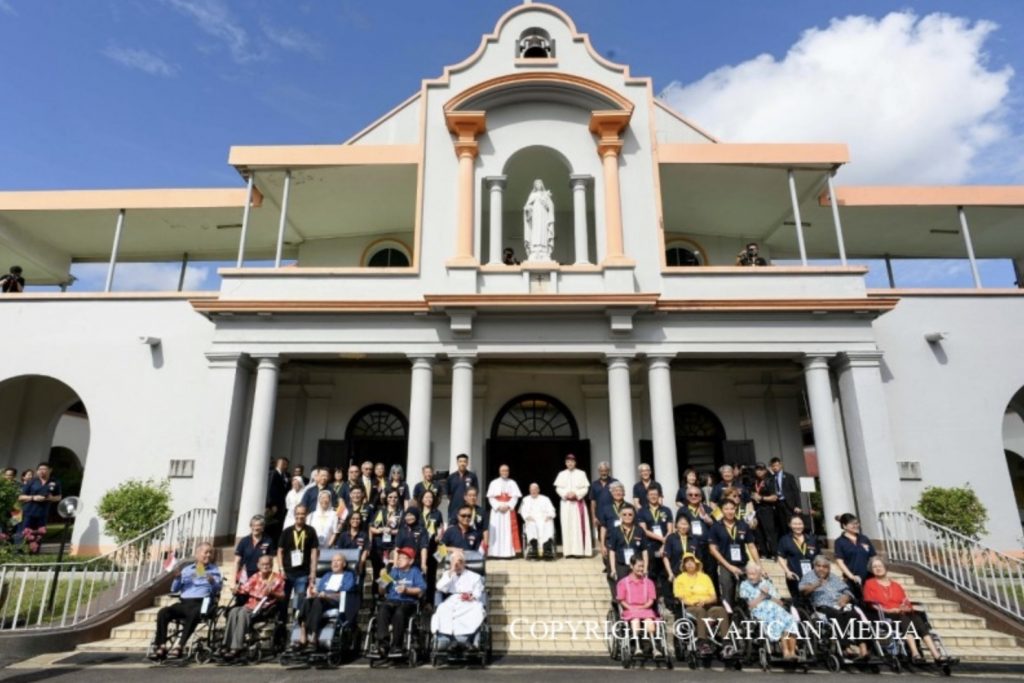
[(572, 486), (503, 494)]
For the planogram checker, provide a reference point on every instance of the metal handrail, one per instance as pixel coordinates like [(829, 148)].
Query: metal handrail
[(992, 576), (87, 589)]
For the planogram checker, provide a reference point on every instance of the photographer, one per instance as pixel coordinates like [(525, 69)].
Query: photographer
[(13, 282), (750, 256)]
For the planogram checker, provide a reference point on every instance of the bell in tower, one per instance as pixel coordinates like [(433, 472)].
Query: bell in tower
[(535, 43)]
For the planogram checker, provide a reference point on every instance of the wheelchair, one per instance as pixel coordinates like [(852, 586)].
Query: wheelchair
[(202, 644), (625, 645), (338, 638), (724, 646), (477, 647), (828, 648), (546, 552), (766, 653), (898, 654), (414, 647), (264, 639)]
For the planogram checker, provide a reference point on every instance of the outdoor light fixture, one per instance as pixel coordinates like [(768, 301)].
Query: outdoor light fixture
[(934, 337), (149, 341)]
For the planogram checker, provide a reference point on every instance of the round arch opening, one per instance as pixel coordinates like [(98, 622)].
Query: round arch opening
[(532, 433), (1013, 449)]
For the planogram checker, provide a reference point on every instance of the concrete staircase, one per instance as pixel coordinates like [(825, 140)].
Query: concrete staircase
[(535, 606)]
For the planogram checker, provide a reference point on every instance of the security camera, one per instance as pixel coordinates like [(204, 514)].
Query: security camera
[(150, 341)]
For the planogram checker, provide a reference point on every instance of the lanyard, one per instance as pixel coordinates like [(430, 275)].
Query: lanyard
[(731, 530), (628, 535), (299, 538), (685, 542), (802, 547), (656, 513)]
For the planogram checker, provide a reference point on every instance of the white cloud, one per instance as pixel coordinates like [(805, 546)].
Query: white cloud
[(139, 277), (143, 60), (214, 18), (915, 98), (292, 39)]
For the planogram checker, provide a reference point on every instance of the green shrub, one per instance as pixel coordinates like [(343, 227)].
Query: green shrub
[(956, 508), (135, 507), (9, 492)]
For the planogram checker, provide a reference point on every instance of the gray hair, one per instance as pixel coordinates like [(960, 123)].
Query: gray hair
[(821, 561), (258, 518), (396, 469), (643, 466), (604, 463), (616, 485), (723, 468)]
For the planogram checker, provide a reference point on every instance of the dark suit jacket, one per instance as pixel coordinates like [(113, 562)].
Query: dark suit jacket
[(790, 490), (277, 489)]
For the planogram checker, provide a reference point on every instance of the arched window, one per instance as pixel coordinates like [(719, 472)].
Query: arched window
[(700, 437), (536, 43), (534, 416), (388, 257), (683, 253), (377, 421)]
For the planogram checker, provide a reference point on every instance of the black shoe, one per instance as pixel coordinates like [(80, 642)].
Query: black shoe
[(531, 551), (549, 550)]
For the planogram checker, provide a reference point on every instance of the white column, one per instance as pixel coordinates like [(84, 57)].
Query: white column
[(620, 421), (834, 201), (421, 399), (663, 427), (261, 436), (113, 251), (579, 216), (245, 219), (796, 218), (836, 493), (226, 398), (496, 184), (868, 437), (969, 245), (461, 439), (284, 218)]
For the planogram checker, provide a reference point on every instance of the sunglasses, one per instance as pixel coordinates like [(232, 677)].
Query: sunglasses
[(465, 516)]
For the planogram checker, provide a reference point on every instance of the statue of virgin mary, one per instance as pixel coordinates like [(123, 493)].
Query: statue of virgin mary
[(539, 223)]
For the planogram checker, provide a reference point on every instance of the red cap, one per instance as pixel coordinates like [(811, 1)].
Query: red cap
[(408, 552)]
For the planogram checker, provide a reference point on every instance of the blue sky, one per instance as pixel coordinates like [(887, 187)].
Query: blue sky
[(151, 93)]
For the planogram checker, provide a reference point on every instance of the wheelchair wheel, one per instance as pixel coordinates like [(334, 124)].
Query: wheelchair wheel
[(947, 670), (762, 659), (610, 638), (412, 657), (254, 654), (693, 660), (833, 663), (894, 665), (627, 657)]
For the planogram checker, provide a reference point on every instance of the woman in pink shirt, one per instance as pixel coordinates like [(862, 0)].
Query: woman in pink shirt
[(637, 596)]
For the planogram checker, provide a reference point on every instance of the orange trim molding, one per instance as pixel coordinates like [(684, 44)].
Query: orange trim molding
[(909, 195), (88, 200), (873, 305), (442, 302), (220, 306), (294, 156), (791, 154), (567, 80), (995, 292)]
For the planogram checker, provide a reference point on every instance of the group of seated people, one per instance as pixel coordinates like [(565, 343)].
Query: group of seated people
[(699, 564)]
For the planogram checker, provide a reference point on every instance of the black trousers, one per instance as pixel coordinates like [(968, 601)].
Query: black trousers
[(188, 611), (312, 612), (766, 534), (842, 618), (393, 616)]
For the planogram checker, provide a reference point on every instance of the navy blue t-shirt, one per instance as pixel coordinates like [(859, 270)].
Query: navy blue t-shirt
[(251, 553), (37, 509), (661, 516), (855, 555), (599, 492), (619, 541), (723, 540), (640, 491), (454, 538), (795, 555)]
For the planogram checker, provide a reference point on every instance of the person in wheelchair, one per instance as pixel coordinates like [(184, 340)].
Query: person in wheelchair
[(696, 596), (538, 524), (401, 590), (638, 598), (889, 598), (459, 617), (831, 597), (262, 591), (765, 605), (334, 588), (199, 586)]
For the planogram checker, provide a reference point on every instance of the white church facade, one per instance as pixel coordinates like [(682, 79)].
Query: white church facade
[(383, 322)]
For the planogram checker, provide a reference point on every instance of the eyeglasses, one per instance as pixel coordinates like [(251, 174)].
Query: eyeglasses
[(465, 516)]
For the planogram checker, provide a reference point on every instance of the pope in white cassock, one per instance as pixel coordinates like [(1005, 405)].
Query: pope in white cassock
[(572, 486), (462, 612), (539, 522), (503, 494)]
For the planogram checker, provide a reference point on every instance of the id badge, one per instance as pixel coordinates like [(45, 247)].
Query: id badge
[(735, 553), (805, 567), (627, 555), (296, 558), (618, 523), (656, 530), (205, 606), (697, 528), (387, 537)]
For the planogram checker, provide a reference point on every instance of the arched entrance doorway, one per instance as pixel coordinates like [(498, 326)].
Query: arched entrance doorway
[(532, 434), (378, 432), (44, 420), (1013, 448), (700, 440)]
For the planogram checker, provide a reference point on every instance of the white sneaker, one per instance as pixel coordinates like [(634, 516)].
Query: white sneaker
[(639, 652), (655, 652)]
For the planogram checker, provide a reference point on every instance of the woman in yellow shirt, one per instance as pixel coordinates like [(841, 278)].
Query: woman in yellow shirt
[(696, 593)]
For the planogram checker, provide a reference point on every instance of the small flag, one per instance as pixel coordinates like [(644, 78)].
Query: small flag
[(169, 561)]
